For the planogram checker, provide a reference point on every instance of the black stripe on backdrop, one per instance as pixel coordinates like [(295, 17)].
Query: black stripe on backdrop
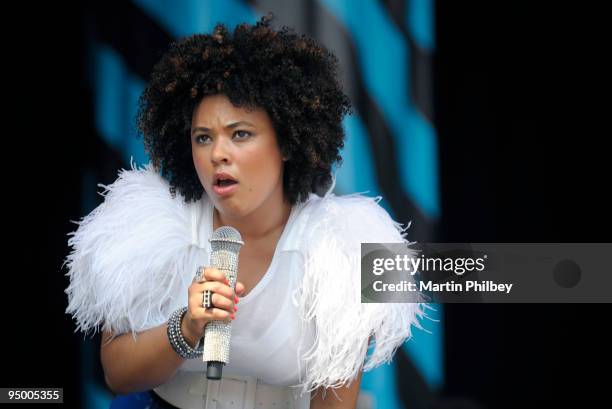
[(420, 62)]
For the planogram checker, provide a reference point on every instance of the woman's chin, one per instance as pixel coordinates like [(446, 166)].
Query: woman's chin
[(229, 209)]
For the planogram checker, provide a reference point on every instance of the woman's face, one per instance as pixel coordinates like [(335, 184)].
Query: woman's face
[(241, 144)]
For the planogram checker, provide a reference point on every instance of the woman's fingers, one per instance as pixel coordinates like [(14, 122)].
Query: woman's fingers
[(218, 314), (239, 288), (225, 303), (213, 274), (204, 316), (223, 298), (217, 288)]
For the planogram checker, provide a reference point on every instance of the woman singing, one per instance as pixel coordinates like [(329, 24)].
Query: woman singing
[(242, 129)]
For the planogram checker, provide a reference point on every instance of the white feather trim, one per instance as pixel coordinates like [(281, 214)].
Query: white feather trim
[(132, 255), (330, 294), (129, 256)]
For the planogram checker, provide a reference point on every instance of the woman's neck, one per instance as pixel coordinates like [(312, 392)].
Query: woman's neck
[(260, 224)]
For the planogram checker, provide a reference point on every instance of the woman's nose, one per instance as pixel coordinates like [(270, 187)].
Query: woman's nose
[(220, 151)]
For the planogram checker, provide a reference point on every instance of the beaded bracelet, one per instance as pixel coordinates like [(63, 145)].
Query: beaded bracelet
[(180, 346)]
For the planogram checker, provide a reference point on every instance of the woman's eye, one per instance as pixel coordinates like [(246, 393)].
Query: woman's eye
[(242, 134), (202, 138)]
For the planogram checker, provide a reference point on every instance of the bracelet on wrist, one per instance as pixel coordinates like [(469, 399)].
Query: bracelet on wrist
[(177, 341)]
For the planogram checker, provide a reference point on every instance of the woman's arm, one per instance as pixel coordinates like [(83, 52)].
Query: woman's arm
[(136, 365), (347, 394), (149, 361)]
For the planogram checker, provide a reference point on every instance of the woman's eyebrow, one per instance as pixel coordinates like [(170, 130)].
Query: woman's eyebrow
[(230, 126)]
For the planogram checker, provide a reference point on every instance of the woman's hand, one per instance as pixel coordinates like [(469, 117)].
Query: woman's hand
[(224, 302)]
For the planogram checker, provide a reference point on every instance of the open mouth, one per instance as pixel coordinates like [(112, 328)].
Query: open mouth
[(225, 182)]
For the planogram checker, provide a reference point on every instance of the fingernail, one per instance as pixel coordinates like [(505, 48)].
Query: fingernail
[(237, 300), (233, 316), (235, 308)]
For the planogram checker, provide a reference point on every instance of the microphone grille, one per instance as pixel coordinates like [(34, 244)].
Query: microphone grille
[(226, 237)]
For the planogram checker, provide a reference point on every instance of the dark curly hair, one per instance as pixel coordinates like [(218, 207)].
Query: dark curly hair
[(293, 78)]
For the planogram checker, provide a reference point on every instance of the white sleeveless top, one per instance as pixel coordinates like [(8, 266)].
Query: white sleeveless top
[(267, 337)]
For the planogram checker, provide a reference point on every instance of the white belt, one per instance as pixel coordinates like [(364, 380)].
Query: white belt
[(191, 390)]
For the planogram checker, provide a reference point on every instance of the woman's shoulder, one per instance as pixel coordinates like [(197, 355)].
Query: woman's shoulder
[(354, 215), (137, 236), (141, 196), (137, 184), (330, 293)]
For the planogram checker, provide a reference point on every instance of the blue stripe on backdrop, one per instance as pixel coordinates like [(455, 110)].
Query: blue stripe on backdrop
[(183, 18), (116, 93), (426, 349), (357, 173), (420, 20), (382, 385), (382, 54)]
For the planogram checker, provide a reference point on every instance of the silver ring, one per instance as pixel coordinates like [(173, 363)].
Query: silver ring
[(207, 299), (199, 275)]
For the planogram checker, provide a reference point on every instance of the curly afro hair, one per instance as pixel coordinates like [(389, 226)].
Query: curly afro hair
[(293, 78)]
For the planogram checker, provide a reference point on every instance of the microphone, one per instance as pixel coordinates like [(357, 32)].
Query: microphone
[(225, 242)]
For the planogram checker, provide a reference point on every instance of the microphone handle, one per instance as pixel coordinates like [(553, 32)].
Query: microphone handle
[(214, 370)]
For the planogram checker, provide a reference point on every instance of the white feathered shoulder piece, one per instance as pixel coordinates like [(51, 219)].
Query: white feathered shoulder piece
[(330, 294), (128, 255)]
